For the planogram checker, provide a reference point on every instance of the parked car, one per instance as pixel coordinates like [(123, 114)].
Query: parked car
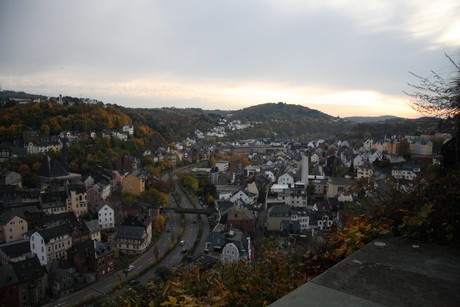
[(134, 282), (130, 268), (181, 243)]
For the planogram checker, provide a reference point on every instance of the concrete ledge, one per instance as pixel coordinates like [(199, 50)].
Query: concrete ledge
[(389, 271)]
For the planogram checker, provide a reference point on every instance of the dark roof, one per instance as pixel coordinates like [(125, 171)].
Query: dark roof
[(131, 228), (217, 239), (130, 232), (53, 232), (79, 188), (239, 238), (7, 276), (52, 168), (30, 193), (53, 197), (28, 270), (93, 226), (291, 226), (16, 248), (6, 216), (340, 181), (279, 210)]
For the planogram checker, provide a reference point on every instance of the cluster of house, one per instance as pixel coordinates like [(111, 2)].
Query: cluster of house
[(301, 194), (67, 231), (57, 231), (283, 209), (35, 142), (222, 128)]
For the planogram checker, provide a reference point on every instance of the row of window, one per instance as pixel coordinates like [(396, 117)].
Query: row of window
[(20, 222)]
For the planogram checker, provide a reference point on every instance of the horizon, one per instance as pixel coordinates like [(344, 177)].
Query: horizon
[(344, 59), (222, 110)]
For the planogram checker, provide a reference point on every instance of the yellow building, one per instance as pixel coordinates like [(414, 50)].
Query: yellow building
[(134, 182), (12, 227)]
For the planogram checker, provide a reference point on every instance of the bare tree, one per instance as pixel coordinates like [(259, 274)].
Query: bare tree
[(437, 94)]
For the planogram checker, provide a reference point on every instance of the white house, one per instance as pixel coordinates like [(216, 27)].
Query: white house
[(247, 198), (359, 160), (325, 222), (230, 253), (314, 158), (106, 216), (286, 178), (238, 246), (270, 175), (302, 217), (375, 156), (128, 129), (222, 166), (51, 243), (364, 172)]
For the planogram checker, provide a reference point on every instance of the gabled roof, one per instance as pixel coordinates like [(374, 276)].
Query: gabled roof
[(217, 239), (101, 205), (340, 181), (52, 168), (244, 213), (279, 210), (79, 188), (28, 270), (53, 197), (93, 226), (16, 248), (7, 216), (291, 226), (54, 232), (131, 228), (130, 232)]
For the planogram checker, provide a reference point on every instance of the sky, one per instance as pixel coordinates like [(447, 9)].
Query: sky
[(344, 58)]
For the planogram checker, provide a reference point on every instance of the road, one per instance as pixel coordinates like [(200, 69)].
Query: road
[(163, 244)]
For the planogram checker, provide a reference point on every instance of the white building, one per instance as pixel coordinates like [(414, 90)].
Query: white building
[(286, 179), (106, 216), (222, 166), (76, 199), (128, 129), (51, 243)]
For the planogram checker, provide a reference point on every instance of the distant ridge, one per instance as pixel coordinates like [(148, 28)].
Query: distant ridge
[(371, 119)]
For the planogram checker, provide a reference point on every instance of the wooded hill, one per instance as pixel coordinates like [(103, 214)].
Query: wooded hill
[(166, 125)]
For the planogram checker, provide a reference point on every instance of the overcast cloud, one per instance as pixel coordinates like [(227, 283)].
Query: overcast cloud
[(341, 57)]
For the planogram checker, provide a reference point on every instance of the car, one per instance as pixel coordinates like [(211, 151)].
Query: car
[(169, 230), (182, 243), (130, 268), (134, 282), (184, 250)]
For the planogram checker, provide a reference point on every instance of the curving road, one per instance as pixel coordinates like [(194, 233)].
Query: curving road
[(164, 243)]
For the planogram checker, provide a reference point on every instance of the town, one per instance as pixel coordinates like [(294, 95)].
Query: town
[(70, 236)]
